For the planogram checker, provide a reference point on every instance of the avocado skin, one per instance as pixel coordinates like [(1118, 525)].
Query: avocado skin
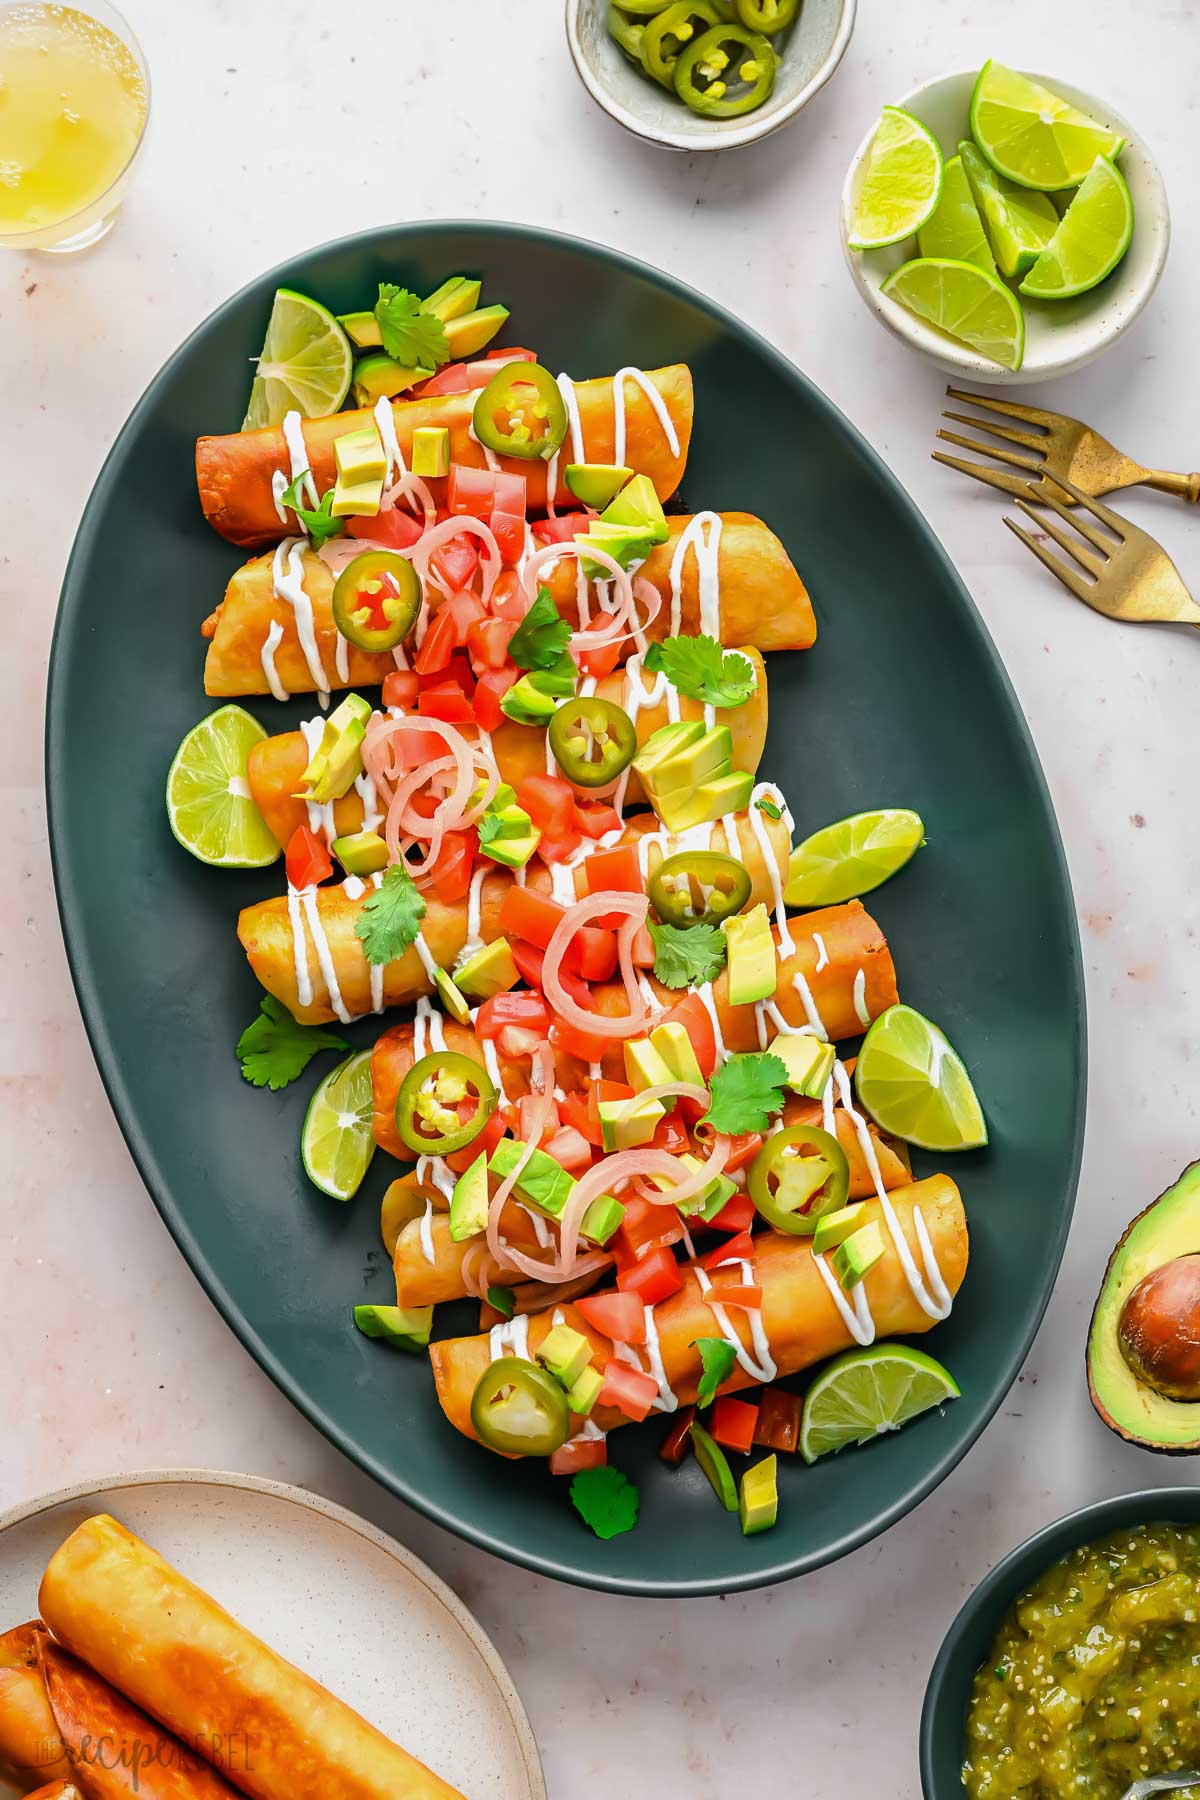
[(1107, 1312)]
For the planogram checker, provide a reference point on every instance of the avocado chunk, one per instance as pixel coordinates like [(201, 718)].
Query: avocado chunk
[(543, 1182), (701, 761), (489, 971), (675, 1047), (528, 704), (510, 821), (382, 377), (338, 760), (363, 853), (1140, 1356), (471, 331), (627, 1124), (451, 998), (566, 1353), (583, 1395), (403, 1327), (362, 328), (356, 500), (835, 1227), (638, 505), (431, 451), (624, 543), (809, 1061), (360, 456), (709, 1201), (711, 800), (713, 1461), (645, 1068), (469, 1201), (857, 1255), (601, 1219), (455, 297), (752, 972), (758, 1498), (595, 484), (662, 744), (513, 852)]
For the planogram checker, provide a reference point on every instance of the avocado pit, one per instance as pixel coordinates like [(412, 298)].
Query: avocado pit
[(1159, 1329)]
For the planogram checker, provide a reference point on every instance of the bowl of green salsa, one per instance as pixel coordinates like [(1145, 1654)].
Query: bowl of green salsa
[(1074, 1667)]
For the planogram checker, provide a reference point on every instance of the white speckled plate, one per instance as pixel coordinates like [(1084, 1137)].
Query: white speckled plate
[(345, 1603)]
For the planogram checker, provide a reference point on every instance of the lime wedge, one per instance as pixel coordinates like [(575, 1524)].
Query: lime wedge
[(338, 1139), (901, 182), (306, 363), (914, 1085), (852, 857), (867, 1392), (956, 229), (208, 800), (1020, 223), (1093, 237), (964, 301), (1032, 136)]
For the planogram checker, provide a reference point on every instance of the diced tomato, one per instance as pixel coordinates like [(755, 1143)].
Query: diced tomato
[(615, 871), (450, 876), (570, 1148), (574, 1112), (529, 1010), (745, 1147), (487, 1139), (579, 1453), (672, 1135), (737, 1214), (562, 529), (307, 860), (447, 702), (457, 560), (490, 689), (554, 848), (674, 1446), (732, 1423), (656, 1277), (595, 953), (621, 1317), (509, 533), (778, 1426), (440, 643), (394, 530), (643, 949), (595, 818), (734, 1249), (573, 1040), (645, 1227), (487, 643), (471, 492), (630, 1390), (452, 379), (517, 1041), (605, 1090), (529, 915), (509, 599), (692, 1014), (400, 688), (550, 803), (466, 609), (486, 368), (529, 961), (510, 495), (529, 1106), (604, 658), (411, 749), (749, 1299)]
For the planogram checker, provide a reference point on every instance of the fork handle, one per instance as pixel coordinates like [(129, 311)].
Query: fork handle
[(1184, 487)]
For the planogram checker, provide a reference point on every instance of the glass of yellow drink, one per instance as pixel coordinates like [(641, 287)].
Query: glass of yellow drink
[(74, 99)]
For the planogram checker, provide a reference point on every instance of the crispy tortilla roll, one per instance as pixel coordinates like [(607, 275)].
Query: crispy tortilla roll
[(233, 473), (762, 603), (31, 1748), (800, 1319), (276, 765), (266, 929), (162, 1641)]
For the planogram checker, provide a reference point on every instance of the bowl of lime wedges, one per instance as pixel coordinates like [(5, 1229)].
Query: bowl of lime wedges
[(1007, 225)]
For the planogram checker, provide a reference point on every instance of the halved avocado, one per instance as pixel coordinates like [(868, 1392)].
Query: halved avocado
[(1140, 1339)]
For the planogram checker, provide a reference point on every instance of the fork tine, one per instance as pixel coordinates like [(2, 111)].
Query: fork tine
[(1032, 415), (1072, 546), (1023, 438), (1007, 456), (1067, 576), (1007, 484), (1105, 545), (1120, 527)]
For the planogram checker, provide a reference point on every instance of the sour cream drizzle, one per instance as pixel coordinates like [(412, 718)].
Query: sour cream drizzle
[(703, 538), (287, 575), (642, 380), (320, 814), (667, 1400), (766, 790), (822, 952), (308, 900), (273, 641), (860, 997), (764, 1369), (509, 1338)]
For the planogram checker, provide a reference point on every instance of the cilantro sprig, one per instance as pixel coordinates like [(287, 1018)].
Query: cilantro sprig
[(274, 1049), (703, 669), (415, 338), (542, 636), (391, 916), (605, 1500), (687, 955), (717, 1357), (318, 522), (745, 1093)]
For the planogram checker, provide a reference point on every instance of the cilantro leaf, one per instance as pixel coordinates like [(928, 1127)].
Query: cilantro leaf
[(274, 1049), (489, 830), (541, 638), (319, 524), (415, 338), (717, 1356), (703, 670), (687, 955), (391, 916), (501, 1300), (769, 807), (745, 1092), (605, 1500)]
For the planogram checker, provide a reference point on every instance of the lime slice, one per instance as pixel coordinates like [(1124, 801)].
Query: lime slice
[(1090, 242), (852, 857), (338, 1139), (956, 229), (208, 799), (305, 366), (1032, 136), (964, 301), (1020, 223), (867, 1392), (914, 1085), (901, 182)]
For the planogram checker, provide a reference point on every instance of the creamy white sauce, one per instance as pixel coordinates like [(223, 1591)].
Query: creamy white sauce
[(860, 998), (279, 487), (510, 1338), (666, 1401), (364, 787), (385, 420), (426, 958), (642, 380), (491, 1063), (761, 1365), (766, 790), (354, 887), (703, 538), (426, 1231), (287, 573), (320, 813), (541, 1230), (822, 952), (293, 433), (273, 641), (489, 455), (854, 1308), (809, 1004), (308, 900), (708, 1000), (304, 991)]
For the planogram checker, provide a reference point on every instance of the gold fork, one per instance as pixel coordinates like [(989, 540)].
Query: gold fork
[(1059, 449), (1127, 575)]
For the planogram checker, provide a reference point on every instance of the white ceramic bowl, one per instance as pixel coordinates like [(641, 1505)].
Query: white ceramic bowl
[(1059, 335), (811, 50)]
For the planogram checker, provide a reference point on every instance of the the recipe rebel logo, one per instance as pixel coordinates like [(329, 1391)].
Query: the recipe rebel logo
[(106, 1751)]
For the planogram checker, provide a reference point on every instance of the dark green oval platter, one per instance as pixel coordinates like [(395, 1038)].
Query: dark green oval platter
[(903, 702)]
